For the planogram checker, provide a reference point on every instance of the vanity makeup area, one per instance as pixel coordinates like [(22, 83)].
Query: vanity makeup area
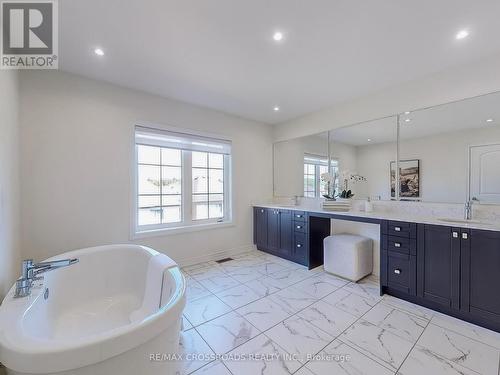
[(433, 178)]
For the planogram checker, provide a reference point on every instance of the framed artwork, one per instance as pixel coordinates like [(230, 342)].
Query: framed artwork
[(409, 176)]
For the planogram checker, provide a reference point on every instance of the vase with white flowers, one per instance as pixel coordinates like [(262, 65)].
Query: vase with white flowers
[(347, 178), (328, 179)]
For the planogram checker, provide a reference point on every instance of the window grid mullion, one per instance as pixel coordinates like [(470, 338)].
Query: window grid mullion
[(186, 188), (161, 187)]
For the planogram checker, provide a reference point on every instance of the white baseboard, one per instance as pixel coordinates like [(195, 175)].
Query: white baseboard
[(216, 255)]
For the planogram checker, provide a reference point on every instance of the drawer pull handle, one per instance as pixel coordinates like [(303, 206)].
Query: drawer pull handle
[(299, 216), (397, 229), (455, 234), (397, 244), (261, 210), (299, 245), (299, 226), (464, 236), (397, 271)]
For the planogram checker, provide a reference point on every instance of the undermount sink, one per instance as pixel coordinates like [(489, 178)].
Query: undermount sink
[(461, 221)]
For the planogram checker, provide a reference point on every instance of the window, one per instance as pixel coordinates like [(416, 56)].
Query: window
[(182, 180), (314, 167)]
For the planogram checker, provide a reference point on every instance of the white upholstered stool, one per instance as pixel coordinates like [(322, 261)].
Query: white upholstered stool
[(349, 256)]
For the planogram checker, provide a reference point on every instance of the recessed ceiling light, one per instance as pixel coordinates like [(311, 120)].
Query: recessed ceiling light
[(489, 120), (407, 112), (99, 52), (278, 36), (408, 120), (276, 109), (462, 34), (369, 139)]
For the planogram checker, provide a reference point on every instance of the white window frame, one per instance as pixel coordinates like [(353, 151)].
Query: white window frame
[(318, 161), (187, 224)]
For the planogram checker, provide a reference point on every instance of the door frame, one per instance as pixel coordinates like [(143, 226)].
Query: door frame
[(469, 168)]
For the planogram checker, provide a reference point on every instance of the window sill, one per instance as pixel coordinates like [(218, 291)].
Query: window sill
[(178, 230)]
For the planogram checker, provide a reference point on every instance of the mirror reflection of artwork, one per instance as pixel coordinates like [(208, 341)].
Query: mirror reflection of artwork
[(409, 179)]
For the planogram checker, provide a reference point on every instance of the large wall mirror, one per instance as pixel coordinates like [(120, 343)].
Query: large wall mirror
[(361, 155), (298, 165), (451, 153), (447, 154)]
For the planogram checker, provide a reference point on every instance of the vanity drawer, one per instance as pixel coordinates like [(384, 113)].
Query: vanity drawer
[(300, 242), (299, 216), (401, 229), (300, 226), (401, 272), (398, 244)]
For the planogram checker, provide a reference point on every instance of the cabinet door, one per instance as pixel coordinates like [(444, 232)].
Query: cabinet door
[(286, 237), (438, 265), (481, 274), (260, 235), (273, 233)]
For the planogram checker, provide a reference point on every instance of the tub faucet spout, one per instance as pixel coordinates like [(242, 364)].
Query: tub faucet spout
[(30, 272)]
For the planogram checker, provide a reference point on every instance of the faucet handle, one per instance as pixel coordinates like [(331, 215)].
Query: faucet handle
[(27, 265), (23, 287)]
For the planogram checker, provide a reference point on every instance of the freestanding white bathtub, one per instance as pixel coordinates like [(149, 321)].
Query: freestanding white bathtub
[(110, 313)]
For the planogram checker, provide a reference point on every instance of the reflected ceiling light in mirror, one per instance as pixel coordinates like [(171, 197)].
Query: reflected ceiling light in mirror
[(407, 112), (369, 139), (489, 120), (99, 51), (276, 108), (408, 120), (462, 34), (278, 36)]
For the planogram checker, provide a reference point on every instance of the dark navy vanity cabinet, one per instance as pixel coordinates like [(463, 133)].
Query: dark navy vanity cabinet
[(453, 270), (449, 269), (282, 232), (480, 275)]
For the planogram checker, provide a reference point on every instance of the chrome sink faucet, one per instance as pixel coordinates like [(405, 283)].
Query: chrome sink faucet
[(30, 272)]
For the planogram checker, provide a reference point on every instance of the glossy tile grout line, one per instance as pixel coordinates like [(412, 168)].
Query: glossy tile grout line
[(414, 344), (318, 299), (314, 274), (265, 258)]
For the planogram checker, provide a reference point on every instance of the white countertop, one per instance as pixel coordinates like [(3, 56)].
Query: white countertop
[(472, 224)]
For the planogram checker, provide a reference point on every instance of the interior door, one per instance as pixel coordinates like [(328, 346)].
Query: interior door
[(484, 177)]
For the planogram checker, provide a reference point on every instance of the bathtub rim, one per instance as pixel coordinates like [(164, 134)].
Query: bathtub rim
[(30, 354)]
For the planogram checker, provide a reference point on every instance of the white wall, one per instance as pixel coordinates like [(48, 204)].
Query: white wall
[(9, 180), (453, 84), (77, 137)]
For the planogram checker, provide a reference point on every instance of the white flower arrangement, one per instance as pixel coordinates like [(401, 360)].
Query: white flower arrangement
[(354, 178), (327, 177)]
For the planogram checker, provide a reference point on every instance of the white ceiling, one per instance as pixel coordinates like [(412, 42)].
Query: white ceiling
[(220, 53)]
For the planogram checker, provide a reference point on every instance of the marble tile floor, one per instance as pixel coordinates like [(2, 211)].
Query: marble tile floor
[(262, 315)]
